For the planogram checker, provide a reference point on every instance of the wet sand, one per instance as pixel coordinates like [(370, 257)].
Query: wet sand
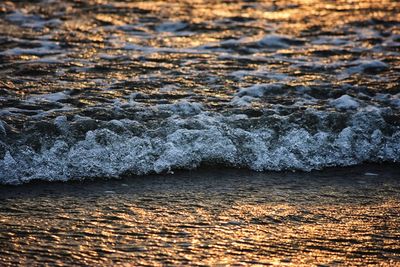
[(335, 217)]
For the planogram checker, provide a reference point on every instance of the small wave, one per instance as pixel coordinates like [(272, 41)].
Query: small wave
[(313, 140)]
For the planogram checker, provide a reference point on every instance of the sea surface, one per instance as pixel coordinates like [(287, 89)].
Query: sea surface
[(175, 133), (207, 217), (102, 88)]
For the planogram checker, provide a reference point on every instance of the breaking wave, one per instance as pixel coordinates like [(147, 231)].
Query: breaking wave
[(79, 147), (118, 88)]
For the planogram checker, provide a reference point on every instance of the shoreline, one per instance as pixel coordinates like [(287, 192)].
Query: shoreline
[(204, 169)]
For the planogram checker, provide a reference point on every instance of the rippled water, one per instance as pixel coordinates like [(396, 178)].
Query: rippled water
[(339, 217), (108, 88), (103, 89)]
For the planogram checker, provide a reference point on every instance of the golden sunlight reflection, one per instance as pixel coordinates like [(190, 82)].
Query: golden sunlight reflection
[(191, 37), (103, 88), (292, 234)]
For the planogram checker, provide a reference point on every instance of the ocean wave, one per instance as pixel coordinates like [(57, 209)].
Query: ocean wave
[(131, 88), (190, 137)]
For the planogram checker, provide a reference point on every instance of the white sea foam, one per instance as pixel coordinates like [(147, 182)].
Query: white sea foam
[(345, 102), (240, 74), (169, 88), (182, 107), (259, 90), (364, 66), (53, 97), (242, 101), (187, 142)]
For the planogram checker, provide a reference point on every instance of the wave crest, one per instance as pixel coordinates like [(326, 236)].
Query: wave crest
[(119, 147)]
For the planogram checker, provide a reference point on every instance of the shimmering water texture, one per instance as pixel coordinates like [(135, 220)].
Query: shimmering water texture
[(347, 217), (101, 88)]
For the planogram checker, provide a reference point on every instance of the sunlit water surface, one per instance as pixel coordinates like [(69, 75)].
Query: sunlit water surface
[(109, 88), (339, 217), (104, 89)]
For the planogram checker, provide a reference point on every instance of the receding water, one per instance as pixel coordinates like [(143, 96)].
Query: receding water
[(338, 217)]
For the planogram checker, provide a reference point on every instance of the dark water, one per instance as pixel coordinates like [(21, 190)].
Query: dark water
[(338, 217), (109, 88)]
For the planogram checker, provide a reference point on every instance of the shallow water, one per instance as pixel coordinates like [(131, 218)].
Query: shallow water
[(99, 89), (214, 216), (108, 88)]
